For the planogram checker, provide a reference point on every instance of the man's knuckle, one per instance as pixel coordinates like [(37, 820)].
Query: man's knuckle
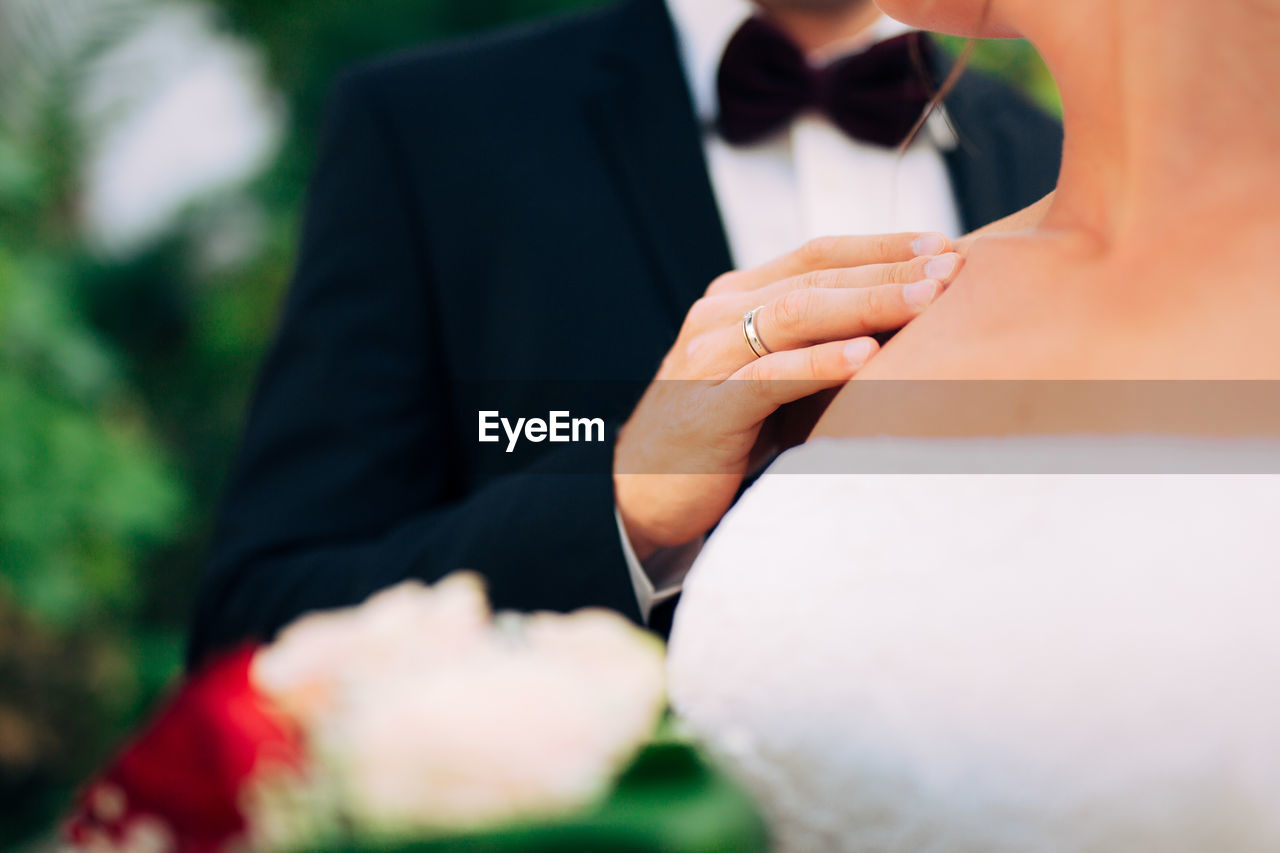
[(906, 272), (793, 309), (877, 247), (894, 247), (692, 349), (813, 362), (704, 352), (891, 302), (700, 312), (819, 250), (875, 302), (760, 377), (724, 282), (805, 280), (825, 279)]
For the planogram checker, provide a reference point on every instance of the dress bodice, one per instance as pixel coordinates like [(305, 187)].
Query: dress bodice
[(993, 653)]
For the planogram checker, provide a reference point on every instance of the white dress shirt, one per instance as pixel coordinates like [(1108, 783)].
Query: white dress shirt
[(808, 180)]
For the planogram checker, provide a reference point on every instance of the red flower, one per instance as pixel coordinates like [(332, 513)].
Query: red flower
[(182, 781)]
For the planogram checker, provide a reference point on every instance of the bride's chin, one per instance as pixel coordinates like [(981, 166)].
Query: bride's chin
[(964, 18)]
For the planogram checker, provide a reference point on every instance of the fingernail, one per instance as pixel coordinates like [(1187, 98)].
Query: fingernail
[(942, 267), (858, 352), (920, 294), (929, 244)]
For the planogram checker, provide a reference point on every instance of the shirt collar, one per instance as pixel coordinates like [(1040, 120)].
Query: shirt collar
[(704, 27)]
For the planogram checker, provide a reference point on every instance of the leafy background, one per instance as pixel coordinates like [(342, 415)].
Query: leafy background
[(127, 351)]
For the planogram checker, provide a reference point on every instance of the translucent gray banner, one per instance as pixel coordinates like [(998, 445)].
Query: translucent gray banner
[(882, 427)]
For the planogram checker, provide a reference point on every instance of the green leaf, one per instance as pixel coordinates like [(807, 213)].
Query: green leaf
[(671, 800)]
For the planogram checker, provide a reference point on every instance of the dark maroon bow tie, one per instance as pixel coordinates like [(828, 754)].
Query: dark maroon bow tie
[(874, 96)]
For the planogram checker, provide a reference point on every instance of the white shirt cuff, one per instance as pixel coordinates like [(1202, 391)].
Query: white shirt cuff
[(661, 576)]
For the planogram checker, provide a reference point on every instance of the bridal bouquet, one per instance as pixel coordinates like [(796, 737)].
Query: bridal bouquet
[(419, 715)]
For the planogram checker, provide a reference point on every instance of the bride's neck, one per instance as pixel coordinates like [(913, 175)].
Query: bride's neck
[(1170, 111)]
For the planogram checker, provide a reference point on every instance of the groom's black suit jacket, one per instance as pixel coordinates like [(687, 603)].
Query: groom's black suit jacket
[(484, 218)]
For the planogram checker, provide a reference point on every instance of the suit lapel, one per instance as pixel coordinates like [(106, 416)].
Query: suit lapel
[(644, 121), (642, 115)]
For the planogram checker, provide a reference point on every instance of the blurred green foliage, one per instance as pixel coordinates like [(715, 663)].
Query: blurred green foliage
[(670, 800), (88, 493), (123, 383), (1013, 60)]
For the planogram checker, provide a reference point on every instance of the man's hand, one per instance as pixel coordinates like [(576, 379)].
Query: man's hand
[(696, 433)]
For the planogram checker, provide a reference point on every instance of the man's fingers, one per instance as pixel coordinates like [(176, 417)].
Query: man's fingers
[(758, 389), (827, 253), (940, 268), (802, 318)]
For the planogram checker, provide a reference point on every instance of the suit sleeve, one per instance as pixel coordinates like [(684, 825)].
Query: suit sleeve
[(346, 482)]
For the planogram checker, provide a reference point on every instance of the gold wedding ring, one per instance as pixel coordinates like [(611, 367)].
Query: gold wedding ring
[(749, 332)]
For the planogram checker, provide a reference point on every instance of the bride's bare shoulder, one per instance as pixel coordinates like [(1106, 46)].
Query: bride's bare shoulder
[(1013, 346)]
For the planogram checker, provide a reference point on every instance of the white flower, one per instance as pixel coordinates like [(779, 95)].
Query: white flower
[(391, 636), (431, 715)]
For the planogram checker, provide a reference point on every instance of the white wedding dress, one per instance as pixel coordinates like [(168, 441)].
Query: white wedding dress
[(992, 662)]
